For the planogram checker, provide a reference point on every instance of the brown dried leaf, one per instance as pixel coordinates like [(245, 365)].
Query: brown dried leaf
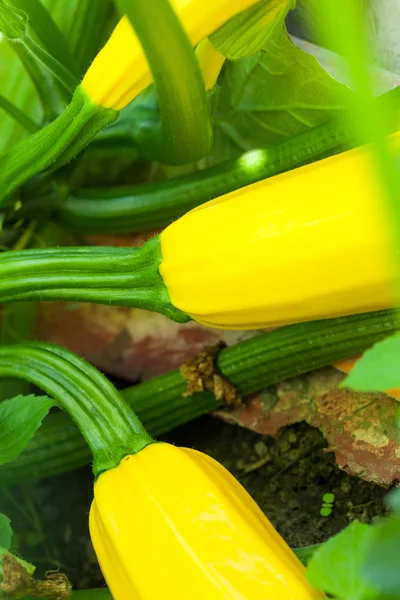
[(17, 583)]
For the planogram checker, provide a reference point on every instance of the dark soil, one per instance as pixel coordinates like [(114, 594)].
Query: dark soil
[(287, 476)]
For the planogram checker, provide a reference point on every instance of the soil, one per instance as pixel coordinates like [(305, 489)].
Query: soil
[(287, 476)]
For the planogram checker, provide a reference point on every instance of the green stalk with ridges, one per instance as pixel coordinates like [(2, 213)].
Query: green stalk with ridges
[(185, 132), (54, 145), (108, 425), (251, 366), (117, 276)]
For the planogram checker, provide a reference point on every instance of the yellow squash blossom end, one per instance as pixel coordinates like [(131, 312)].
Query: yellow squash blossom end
[(120, 70), (211, 62), (173, 523)]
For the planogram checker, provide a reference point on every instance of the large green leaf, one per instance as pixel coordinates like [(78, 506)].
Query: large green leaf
[(378, 369), (336, 567), (273, 95), (381, 565), (20, 417), (249, 31)]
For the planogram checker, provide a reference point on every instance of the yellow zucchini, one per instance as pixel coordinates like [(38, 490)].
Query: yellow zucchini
[(173, 523), (308, 244), (120, 70)]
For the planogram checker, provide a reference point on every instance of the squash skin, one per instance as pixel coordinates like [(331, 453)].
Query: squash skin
[(308, 244), (120, 70), (173, 523)]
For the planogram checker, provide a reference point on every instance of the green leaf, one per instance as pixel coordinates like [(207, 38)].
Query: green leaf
[(381, 565), (5, 532), (249, 31), (274, 95), (378, 369), (20, 417), (335, 568)]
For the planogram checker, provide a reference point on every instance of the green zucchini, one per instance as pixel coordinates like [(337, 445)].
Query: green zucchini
[(251, 366)]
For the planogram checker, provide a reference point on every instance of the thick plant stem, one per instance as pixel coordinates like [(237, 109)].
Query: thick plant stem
[(108, 425), (54, 145), (251, 366), (186, 133), (118, 276)]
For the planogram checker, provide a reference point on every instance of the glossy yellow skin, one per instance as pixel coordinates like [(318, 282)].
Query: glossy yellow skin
[(307, 244), (173, 524), (120, 70)]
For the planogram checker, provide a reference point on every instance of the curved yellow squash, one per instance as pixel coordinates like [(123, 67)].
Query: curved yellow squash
[(308, 244), (120, 70), (173, 524)]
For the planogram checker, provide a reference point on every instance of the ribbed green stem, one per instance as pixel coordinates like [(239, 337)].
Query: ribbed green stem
[(251, 365), (54, 145), (154, 205), (186, 133), (109, 426), (117, 276)]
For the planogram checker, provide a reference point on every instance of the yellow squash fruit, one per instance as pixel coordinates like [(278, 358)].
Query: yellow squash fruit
[(309, 244), (120, 70), (171, 523)]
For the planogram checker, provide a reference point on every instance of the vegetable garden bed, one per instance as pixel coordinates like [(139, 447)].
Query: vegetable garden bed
[(199, 230)]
